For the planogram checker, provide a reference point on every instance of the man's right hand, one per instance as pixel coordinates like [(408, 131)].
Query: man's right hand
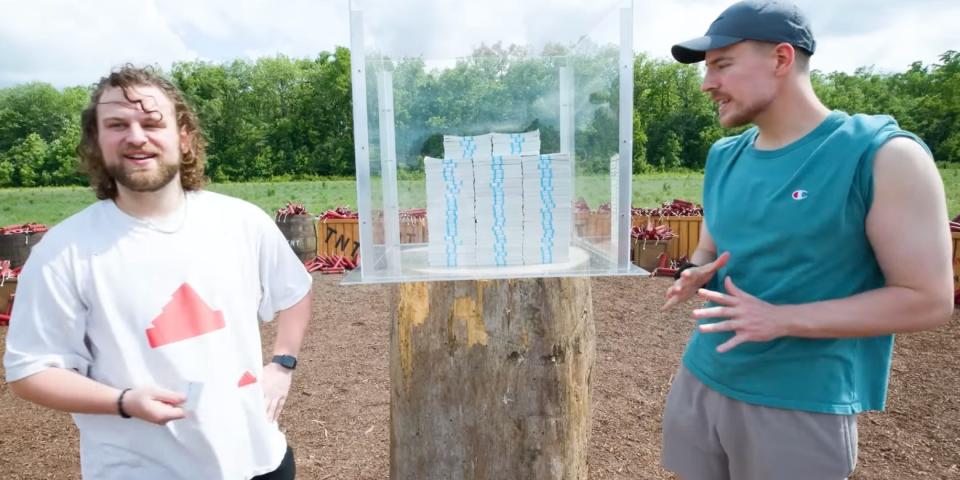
[(154, 404), (691, 280)]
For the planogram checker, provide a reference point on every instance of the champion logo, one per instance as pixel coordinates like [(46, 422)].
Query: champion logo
[(800, 194)]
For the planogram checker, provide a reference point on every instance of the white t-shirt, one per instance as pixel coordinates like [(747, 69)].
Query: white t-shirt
[(126, 302)]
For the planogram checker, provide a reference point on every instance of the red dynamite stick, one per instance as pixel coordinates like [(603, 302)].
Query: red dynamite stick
[(662, 272), (663, 260)]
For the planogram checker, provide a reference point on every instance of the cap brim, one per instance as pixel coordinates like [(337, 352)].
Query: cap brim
[(695, 50)]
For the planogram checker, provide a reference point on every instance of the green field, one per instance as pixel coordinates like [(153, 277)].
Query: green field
[(49, 205)]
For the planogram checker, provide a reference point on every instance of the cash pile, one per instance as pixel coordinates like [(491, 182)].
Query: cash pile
[(527, 143), (547, 201), (450, 212), (499, 200), (494, 200)]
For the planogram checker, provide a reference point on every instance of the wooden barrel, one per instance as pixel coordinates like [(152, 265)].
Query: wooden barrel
[(16, 247), (301, 233), (8, 288), (956, 261), (490, 380)]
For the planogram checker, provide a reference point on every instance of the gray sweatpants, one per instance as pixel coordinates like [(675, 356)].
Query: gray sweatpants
[(709, 436)]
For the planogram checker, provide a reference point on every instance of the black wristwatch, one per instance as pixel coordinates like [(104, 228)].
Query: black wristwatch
[(286, 361)]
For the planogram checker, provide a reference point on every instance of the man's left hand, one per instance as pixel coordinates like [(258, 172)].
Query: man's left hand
[(751, 319), (276, 386)]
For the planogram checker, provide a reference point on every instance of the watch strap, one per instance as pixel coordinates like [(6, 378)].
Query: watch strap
[(285, 361), (683, 267)]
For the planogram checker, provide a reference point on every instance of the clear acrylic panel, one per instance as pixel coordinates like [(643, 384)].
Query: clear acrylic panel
[(481, 136)]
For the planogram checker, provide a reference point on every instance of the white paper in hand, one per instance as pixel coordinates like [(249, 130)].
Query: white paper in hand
[(194, 389)]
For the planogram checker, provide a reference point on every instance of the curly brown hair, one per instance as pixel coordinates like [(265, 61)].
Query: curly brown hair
[(128, 76)]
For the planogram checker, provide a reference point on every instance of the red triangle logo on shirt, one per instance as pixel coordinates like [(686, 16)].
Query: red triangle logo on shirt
[(246, 379), (184, 317)]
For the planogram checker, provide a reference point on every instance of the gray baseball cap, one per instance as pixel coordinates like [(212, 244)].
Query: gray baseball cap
[(769, 21)]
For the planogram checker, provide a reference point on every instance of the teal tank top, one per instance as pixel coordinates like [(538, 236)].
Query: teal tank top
[(793, 220)]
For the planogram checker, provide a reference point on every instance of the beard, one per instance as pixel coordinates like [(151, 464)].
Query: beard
[(745, 115), (143, 181)]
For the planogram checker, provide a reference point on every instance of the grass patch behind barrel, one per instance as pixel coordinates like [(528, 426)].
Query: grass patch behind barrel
[(50, 205)]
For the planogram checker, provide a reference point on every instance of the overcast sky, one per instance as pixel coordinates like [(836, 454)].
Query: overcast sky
[(70, 42)]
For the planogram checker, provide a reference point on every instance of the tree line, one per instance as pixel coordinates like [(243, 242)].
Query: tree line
[(289, 118)]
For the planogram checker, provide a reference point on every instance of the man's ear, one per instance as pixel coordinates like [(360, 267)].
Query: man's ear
[(184, 141), (785, 56)]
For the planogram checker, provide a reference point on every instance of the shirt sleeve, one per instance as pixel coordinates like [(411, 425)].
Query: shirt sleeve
[(284, 280), (48, 322)]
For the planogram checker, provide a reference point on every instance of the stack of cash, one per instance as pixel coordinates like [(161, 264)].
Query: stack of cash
[(547, 202), (516, 143), (494, 200), (451, 223), (467, 147), (499, 200)]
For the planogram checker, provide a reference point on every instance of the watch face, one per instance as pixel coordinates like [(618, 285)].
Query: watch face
[(286, 361)]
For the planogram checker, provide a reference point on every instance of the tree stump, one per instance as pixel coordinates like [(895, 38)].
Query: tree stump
[(491, 379)]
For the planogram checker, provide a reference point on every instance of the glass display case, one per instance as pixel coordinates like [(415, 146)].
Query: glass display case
[(506, 135)]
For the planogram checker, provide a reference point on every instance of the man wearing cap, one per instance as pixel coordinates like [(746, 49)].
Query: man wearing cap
[(832, 236)]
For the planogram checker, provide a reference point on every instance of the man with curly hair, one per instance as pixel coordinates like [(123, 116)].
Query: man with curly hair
[(138, 315)]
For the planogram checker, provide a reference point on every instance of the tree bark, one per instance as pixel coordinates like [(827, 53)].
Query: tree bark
[(491, 379)]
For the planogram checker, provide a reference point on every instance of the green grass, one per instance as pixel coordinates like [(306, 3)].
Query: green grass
[(50, 205), (951, 183), (317, 196), (47, 205)]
